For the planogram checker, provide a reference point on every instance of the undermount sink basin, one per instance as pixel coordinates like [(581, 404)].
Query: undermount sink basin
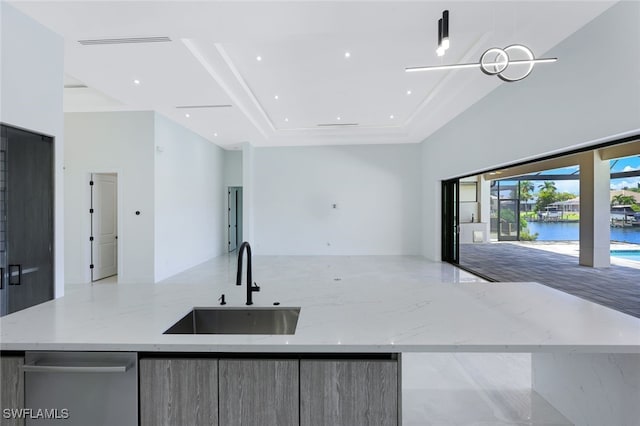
[(237, 321)]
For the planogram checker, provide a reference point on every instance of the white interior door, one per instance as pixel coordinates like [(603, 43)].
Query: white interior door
[(104, 226)]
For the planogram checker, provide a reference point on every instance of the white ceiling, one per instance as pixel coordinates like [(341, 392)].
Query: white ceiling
[(212, 61)]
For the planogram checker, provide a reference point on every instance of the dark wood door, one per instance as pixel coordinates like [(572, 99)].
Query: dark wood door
[(28, 206)]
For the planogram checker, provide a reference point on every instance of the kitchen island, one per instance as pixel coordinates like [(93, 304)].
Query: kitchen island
[(575, 344)]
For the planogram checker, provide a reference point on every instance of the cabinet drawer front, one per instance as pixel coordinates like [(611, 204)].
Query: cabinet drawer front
[(348, 392), (260, 392), (178, 392)]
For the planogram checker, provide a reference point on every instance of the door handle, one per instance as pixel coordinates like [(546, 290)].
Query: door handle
[(12, 274), (90, 368), (1, 278)]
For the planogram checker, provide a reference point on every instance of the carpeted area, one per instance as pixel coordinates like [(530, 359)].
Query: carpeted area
[(616, 287)]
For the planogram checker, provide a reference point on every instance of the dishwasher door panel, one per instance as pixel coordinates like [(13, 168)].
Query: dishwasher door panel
[(81, 388)]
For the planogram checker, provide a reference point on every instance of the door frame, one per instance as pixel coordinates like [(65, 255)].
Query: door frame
[(450, 231), (239, 216), (86, 225)]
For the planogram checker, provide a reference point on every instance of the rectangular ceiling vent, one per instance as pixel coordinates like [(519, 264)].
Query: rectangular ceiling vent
[(337, 124), (203, 106), (129, 40)]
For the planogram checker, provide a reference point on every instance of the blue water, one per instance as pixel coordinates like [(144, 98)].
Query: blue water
[(627, 254), (562, 231)]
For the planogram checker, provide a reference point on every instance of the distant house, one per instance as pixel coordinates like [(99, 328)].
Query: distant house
[(569, 206), (635, 195)]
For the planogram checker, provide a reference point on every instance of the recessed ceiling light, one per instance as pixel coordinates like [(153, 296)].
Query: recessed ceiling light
[(391, 116), (408, 92), (338, 118), (275, 97), (136, 82), (286, 119), (215, 135), (258, 58), (187, 115), (347, 55)]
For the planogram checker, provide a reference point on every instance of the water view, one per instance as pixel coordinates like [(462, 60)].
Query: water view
[(563, 231)]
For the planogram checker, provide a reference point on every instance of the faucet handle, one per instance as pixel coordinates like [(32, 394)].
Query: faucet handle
[(255, 287), (222, 301)]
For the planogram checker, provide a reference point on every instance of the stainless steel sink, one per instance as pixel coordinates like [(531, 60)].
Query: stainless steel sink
[(237, 321)]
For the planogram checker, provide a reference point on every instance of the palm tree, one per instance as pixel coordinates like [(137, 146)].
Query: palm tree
[(548, 185), (623, 200), (546, 195), (526, 190)]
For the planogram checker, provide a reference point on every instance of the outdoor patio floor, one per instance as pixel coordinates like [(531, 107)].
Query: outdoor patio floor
[(617, 287)]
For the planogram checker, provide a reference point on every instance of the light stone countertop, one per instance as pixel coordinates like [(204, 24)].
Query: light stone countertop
[(355, 314)]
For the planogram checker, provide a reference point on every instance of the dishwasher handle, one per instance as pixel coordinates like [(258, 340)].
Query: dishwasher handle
[(53, 368)]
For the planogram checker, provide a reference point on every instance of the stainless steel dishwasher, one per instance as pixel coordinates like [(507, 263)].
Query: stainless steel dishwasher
[(81, 388)]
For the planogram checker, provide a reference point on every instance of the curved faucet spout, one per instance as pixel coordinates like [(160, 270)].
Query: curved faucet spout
[(250, 286)]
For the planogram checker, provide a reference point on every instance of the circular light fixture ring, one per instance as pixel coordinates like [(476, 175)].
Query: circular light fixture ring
[(530, 57), (494, 66)]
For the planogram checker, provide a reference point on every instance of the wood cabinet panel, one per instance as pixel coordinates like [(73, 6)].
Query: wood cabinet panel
[(178, 392), (260, 392), (348, 392), (11, 388)]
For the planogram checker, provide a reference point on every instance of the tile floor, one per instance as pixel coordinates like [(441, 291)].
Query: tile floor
[(617, 287), (440, 389)]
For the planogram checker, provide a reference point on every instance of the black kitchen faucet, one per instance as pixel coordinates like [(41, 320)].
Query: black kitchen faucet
[(251, 287)]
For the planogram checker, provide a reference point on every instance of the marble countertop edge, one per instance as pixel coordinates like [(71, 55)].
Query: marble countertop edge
[(318, 348)]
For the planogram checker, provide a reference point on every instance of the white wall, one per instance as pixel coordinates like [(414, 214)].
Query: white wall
[(120, 142), (189, 199), (232, 168), (592, 92), (248, 177), (376, 189), (31, 86), (233, 176)]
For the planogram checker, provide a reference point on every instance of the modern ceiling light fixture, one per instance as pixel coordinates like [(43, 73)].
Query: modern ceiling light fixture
[(513, 63), (203, 106), (443, 33), (123, 40), (337, 124)]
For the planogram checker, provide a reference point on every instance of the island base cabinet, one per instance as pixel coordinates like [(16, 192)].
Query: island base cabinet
[(349, 392), (11, 389), (259, 392), (178, 392)]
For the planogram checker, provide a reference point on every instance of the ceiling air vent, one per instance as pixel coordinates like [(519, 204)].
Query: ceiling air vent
[(123, 40), (337, 124), (202, 106)]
